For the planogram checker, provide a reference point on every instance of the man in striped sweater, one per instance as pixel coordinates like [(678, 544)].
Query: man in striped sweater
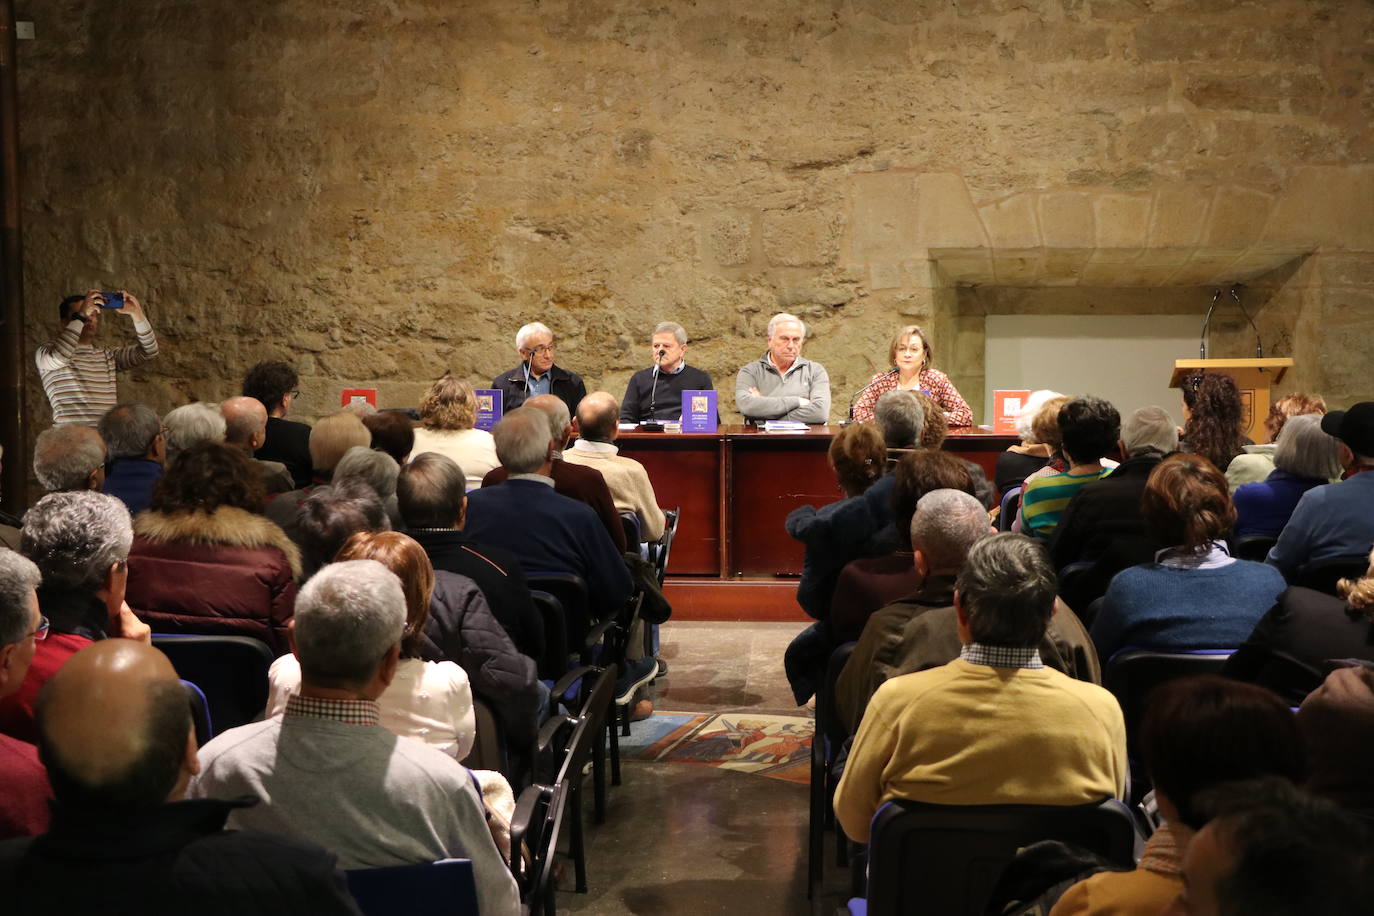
[(79, 377)]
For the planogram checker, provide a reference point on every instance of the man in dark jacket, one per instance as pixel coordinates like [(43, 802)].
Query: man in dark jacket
[(536, 373), (274, 384), (115, 735), (135, 452)]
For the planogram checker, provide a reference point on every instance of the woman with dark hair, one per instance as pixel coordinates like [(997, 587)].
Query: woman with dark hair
[(1198, 733), (909, 354), (1088, 431), (1194, 595), (447, 414), (428, 701), (1212, 416), (204, 560)]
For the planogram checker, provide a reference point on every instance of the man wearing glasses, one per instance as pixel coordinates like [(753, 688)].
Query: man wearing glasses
[(286, 441), (24, 787), (537, 374)]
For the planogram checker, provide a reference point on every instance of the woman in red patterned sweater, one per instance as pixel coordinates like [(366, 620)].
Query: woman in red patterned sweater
[(909, 355)]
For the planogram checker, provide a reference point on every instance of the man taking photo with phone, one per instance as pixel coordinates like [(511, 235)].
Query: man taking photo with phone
[(79, 377)]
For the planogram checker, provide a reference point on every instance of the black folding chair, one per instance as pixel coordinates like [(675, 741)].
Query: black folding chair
[(534, 832), (1255, 547), (1322, 575), (829, 738), (200, 713), (443, 888), (230, 670), (489, 751)]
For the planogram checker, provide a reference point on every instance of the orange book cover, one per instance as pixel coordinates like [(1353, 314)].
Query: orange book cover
[(1005, 406)]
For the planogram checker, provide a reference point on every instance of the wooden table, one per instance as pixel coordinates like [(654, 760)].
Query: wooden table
[(737, 486)]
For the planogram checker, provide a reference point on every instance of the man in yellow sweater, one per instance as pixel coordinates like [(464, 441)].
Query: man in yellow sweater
[(994, 726)]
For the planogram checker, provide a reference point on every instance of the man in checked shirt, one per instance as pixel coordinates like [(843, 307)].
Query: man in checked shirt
[(78, 376)]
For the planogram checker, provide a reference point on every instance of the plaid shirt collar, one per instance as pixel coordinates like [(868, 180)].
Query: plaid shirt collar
[(976, 653), (349, 712)]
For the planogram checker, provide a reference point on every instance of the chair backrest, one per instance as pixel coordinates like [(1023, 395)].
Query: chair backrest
[(200, 713), (1132, 673), (489, 747), (555, 660), (443, 888), (535, 827), (828, 723), (230, 670), (1322, 575), (1011, 502), (665, 550), (945, 859), (579, 605), (630, 521), (1255, 547)]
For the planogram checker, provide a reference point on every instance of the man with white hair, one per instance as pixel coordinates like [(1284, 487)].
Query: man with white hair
[(326, 772), (69, 457), (24, 786), (191, 423), (781, 384), (664, 381), (80, 542), (137, 449), (537, 373), (245, 428)]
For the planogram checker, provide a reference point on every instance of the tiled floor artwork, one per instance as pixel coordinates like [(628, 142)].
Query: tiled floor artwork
[(755, 743)]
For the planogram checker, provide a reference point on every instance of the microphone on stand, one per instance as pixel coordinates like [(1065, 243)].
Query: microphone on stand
[(652, 425), (860, 393), (525, 367), (1235, 294), (1206, 322)]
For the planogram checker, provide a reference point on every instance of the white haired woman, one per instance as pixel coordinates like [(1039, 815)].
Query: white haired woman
[(1304, 457)]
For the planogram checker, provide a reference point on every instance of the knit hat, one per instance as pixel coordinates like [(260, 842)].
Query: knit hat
[(1354, 427)]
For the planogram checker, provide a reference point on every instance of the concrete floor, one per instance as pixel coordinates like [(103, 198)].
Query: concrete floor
[(684, 839)]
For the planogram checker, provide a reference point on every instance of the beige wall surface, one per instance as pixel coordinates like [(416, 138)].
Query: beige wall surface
[(378, 192)]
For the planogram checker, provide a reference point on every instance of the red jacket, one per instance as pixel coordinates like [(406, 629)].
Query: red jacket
[(229, 573)]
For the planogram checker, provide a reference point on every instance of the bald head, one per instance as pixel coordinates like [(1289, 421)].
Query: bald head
[(114, 728), (598, 416), (560, 421), (245, 422)]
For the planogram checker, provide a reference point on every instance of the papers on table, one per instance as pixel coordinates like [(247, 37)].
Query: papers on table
[(784, 426)]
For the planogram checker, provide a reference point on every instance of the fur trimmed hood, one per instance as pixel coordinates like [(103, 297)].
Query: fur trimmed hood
[(227, 525)]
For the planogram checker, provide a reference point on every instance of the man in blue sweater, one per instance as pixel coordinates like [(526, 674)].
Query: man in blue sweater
[(1335, 520)]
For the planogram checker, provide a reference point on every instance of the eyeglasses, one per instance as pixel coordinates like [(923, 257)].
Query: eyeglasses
[(295, 394), (41, 633), (544, 350)]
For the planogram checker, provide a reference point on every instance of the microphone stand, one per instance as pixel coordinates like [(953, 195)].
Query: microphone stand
[(858, 394), (651, 425), (1259, 347), (1206, 323)]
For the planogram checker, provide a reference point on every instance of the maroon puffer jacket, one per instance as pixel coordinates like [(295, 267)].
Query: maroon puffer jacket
[(228, 572)]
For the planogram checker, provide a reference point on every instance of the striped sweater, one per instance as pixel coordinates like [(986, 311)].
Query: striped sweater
[(79, 379), (1044, 499)]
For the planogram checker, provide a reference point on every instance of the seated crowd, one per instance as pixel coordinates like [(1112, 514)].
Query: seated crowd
[(967, 663), (394, 600)]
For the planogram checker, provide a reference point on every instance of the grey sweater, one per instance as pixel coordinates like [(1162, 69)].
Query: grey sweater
[(360, 792), (780, 396)]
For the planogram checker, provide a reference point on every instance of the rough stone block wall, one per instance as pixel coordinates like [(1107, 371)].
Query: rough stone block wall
[(379, 192)]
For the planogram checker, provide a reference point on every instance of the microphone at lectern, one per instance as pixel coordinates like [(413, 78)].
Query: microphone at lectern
[(651, 425), (860, 393), (1202, 343)]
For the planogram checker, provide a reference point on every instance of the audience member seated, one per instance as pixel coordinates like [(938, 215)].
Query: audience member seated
[(1045, 429), (245, 428), (203, 561), (375, 468), (1271, 850), (1106, 513), (1194, 595), (274, 384), (1305, 457), (1291, 646), (598, 426), (392, 432), (1212, 419), (191, 424), (1088, 429), (430, 495), (549, 532), (330, 440), (995, 725), (1337, 725), (80, 543), (1336, 520), (69, 458), (1030, 454), (24, 787), (934, 432), (584, 484), (136, 450), (831, 535), (326, 772), (331, 515), (921, 630), (1256, 462), (1198, 732), (118, 744), (428, 701), (867, 584), (447, 415)]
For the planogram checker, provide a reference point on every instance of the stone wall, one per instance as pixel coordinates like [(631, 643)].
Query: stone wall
[(378, 192)]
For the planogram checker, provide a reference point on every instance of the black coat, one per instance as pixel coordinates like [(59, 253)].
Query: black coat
[(1103, 512), (171, 860), (562, 384), (288, 442)]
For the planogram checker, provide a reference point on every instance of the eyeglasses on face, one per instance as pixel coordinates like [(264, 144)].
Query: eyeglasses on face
[(41, 632), (543, 350)]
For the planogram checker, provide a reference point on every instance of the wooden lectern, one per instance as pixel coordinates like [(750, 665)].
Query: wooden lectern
[(1254, 378)]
